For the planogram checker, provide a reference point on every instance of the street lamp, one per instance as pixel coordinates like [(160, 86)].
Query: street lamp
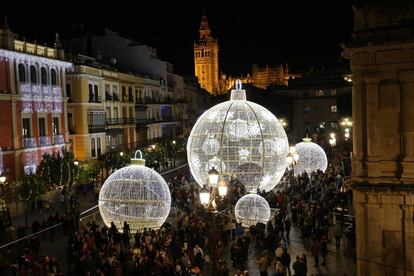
[(292, 160), (2, 179), (213, 176), (222, 188), (332, 142), (76, 163), (121, 153), (205, 196)]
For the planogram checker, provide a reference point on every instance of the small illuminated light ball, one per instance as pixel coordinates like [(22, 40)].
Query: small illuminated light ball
[(240, 138), (135, 194), (311, 158), (252, 209)]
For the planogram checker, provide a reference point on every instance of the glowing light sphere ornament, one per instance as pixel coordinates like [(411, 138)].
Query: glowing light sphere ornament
[(311, 158), (135, 194), (239, 138), (252, 209)]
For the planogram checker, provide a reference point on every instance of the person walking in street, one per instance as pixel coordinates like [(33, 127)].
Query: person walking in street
[(324, 249), (338, 235), (263, 263), (315, 251)]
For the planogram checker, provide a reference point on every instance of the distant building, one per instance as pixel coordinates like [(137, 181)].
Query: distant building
[(101, 108), (206, 63), (262, 77), (154, 106), (33, 118), (316, 104)]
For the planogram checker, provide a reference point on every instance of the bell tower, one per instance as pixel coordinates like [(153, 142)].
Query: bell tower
[(206, 58)]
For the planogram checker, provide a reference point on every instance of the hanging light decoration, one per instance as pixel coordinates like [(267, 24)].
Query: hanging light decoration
[(311, 157), (252, 209), (135, 194), (238, 138)]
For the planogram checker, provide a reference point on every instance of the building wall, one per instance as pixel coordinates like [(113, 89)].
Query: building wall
[(115, 103), (32, 85), (383, 153), (262, 77)]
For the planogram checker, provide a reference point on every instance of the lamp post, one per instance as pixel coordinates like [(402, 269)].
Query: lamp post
[(332, 142), (207, 197), (292, 160)]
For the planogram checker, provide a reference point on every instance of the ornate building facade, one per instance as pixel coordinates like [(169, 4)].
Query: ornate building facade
[(206, 59), (262, 77), (33, 102), (382, 63)]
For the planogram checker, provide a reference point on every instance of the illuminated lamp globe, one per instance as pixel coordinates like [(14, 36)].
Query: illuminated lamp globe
[(252, 209), (135, 194), (240, 138), (311, 158)]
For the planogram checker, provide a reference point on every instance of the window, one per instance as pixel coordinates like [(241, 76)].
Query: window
[(115, 115), (43, 75), (130, 98), (96, 92), (306, 108), (333, 92), (90, 93), (53, 76), (98, 146), (22, 73), (42, 126), (70, 123), (334, 108), (69, 91), (93, 152), (55, 126), (319, 93), (26, 128), (33, 74)]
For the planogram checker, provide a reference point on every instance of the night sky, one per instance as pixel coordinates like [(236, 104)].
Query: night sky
[(300, 33)]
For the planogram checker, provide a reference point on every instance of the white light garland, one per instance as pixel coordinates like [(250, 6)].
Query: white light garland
[(231, 137), (211, 146), (135, 194), (244, 153), (29, 142), (311, 158), (44, 141), (58, 139), (252, 209), (28, 58)]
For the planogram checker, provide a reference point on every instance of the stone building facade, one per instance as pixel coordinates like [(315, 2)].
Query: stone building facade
[(382, 64)]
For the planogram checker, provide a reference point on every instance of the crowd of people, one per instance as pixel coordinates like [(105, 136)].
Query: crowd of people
[(196, 243)]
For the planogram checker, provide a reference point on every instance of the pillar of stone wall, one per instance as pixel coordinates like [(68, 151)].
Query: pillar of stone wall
[(382, 64)]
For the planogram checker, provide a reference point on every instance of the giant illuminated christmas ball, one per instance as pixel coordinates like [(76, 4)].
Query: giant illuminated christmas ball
[(252, 209), (311, 157), (241, 139), (135, 194)]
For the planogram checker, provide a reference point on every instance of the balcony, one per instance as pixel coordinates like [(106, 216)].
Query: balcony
[(120, 121), (44, 141), (143, 121), (29, 142), (96, 128), (58, 139), (108, 97), (97, 99)]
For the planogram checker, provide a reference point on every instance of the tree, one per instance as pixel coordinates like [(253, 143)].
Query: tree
[(29, 188), (58, 170)]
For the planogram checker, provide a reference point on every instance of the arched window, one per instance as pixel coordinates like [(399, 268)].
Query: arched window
[(53, 76), (22, 73), (43, 75), (33, 74)]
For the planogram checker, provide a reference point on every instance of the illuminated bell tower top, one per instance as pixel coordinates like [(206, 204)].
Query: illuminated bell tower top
[(204, 28)]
